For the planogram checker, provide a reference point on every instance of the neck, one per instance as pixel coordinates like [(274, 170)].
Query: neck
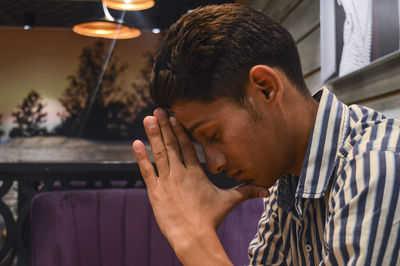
[(305, 109)]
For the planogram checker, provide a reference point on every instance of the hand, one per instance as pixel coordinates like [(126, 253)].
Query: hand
[(187, 206)]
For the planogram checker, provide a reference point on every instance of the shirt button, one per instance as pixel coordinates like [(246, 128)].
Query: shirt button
[(308, 248)]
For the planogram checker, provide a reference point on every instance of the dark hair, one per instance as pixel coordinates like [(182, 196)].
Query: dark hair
[(209, 52)]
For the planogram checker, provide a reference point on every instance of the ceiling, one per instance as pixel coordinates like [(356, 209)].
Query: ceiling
[(67, 13)]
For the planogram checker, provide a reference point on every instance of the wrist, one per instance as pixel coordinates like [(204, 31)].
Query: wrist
[(200, 247)]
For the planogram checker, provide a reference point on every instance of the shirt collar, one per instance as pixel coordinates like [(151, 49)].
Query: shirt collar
[(325, 140)]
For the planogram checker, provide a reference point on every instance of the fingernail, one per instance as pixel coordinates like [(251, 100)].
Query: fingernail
[(138, 146), (160, 114), (152, 122), (173, 121)]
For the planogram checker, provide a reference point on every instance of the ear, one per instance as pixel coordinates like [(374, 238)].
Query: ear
[(266, 82)]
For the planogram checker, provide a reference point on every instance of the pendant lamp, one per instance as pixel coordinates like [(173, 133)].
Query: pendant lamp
[(106, 27), (130, 5)]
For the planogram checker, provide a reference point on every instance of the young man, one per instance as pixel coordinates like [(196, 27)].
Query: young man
[(232, 79)]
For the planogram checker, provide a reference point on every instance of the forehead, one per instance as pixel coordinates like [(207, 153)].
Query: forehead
[(193, 114)]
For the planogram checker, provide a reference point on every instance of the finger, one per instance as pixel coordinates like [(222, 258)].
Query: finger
[(245, 192), (157, 145), (185, 144), (146, 168), (169, 138)]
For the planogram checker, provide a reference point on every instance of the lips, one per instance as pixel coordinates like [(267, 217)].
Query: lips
[(234, 175)]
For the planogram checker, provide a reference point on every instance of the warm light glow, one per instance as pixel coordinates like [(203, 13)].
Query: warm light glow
[(129, 4), (106, 29), (102, 32)]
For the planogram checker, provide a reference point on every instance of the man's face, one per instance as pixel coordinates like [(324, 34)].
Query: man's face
[(248, 148)]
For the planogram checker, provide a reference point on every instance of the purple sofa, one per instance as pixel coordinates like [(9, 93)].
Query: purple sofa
[(116, 227)]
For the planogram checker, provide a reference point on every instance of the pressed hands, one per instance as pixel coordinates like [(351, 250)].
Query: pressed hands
[(187, 206)]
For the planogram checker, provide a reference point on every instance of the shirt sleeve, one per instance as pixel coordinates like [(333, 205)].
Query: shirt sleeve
[(267, 247), (363, 225)]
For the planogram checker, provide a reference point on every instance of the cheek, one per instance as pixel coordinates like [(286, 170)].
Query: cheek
[(264, 154), (245, 152), (238, 152), (253, 146)]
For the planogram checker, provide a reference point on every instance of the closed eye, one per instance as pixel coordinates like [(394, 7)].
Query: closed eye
[(213, 136)]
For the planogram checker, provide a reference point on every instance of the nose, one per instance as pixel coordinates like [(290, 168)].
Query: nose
[(215, 159)]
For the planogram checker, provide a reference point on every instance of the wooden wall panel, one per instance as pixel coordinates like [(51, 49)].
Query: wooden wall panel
[(255, 4), (279, 9), (303, 19), (313, 82), (309, 50)]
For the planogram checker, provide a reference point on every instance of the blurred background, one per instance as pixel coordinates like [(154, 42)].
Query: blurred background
[(58, 82)]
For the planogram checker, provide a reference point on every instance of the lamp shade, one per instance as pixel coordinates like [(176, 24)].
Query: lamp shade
[(130, 4), (106, 29)]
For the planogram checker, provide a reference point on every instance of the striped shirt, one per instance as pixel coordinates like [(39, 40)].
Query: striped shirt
[(344, 209)]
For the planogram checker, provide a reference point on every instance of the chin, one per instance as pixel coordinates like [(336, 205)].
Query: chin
[(262, 184), (257, 184)]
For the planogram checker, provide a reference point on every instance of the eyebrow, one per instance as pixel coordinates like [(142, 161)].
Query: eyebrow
[(195, 126)]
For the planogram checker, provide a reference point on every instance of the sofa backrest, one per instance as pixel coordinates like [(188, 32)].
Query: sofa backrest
[(113, 227)]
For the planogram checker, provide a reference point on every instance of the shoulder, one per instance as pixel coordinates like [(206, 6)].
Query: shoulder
[(369, 157), (369, 131)]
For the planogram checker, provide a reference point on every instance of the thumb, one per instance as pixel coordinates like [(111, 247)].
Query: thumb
[(239, 194), (250, 192)]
